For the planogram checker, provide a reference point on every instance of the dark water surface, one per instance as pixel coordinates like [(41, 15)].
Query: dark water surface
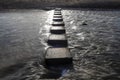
[(20, 44), (94, 36), (94, 41)]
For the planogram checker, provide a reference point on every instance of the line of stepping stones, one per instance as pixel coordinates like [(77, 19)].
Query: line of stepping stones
[(58, 52)]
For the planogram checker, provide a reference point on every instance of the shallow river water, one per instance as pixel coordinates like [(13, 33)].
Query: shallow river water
[(93, 36)]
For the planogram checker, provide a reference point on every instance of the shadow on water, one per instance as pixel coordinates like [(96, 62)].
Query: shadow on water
[(56, 71)]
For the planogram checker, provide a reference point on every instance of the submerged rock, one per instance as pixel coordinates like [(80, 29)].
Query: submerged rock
[(84, 23)]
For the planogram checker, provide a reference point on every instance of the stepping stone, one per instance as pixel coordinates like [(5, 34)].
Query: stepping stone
[(57, 16), (57, 13), (58, 56), (57, 40), (58, 23), (58, 9), (57, 30), (57, 19)]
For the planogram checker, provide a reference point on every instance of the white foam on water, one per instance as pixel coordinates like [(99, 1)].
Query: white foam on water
[(44, 31), (81, 36), (50, 16), (74, 27)]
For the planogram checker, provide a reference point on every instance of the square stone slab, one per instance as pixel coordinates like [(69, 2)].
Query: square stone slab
[(57, 30), (58, 9), (58, 23), (57, 16), (57, 37), (57, 19), (58, 40), (58, 56), (57, 12)]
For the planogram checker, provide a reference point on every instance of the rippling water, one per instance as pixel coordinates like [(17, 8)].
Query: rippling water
[(20, 44), (94, 41), (94, 36)]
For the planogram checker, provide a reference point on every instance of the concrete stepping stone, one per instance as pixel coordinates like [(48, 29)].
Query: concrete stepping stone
[(57, 40), (57, 9), (57, 30), (58, 53), (58, 23), (57, 56), (57, 19), (57, 13), (57, 16)]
